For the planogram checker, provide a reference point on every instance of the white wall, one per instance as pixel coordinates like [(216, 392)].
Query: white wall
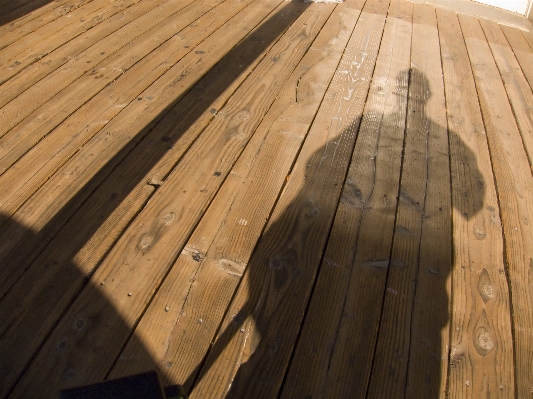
[(519, 6)]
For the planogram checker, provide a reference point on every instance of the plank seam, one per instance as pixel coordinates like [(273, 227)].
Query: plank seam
[(298, 336), (96, 66), (14, 11), (173, 261), (89, 138), (154, 124), (394, 224), (41, 56), (452, 296), (511, 103)]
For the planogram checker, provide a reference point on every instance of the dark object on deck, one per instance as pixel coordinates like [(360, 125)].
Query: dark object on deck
[(140, 386)]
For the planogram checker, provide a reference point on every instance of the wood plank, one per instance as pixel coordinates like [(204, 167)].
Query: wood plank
[(24, 19), (32, 47), (36, 165), (481, 338), (518, 90), (423, 162), (425, 210), (222, 253), (256, 339), (87, 237), (40, 69), (529, 38), (175, 212), (368, 199), (514, 182), (107, 147), (38, 105), (9, 6), (521, 49)]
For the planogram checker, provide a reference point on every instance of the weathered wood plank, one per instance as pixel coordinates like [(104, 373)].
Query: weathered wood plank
[(48, 103), (32, 47), (22, 20), (28, 175), (222, 253), (424, 167), (368, 199), (11, 5), (521, 49), (518, 90), (425, 211), (87, 237), (57, 58), (529, 38), (259, 331), (514, 181), (481, 353), (153, 241)]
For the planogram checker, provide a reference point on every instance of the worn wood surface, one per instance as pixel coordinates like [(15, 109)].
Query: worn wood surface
[(74, 49), (265, 198), (116, 202), (425, 210), (16, 23), (481, 350), (522, 51), (293, 242), (150, 254), (514, 181), (32, 47), (516, 85), (213, 260), (96, 59), (110, 141), (368, 199), (529, 38)]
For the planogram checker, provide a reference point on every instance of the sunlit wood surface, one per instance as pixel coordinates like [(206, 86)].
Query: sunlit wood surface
[(265, 198)]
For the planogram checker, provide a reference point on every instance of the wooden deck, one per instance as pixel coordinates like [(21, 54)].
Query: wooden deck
[(265, 198)]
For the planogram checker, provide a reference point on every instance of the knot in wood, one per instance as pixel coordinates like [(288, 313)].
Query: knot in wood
[(169, 217), (79, 324), (483, 343)]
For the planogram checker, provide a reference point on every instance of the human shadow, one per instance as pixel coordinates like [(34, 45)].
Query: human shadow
[(40, 277), (258, 338)]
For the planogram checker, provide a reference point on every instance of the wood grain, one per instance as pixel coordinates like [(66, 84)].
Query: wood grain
[(518, 90), (29, 173), (481, 342), (222, 253), (55, 97), (71, 256), (513, 180), (261, 324), (425, 211), (103, 145), (368, 199), (59, 57), (521, 49), (15, 23), (32, 47), (167, 220)]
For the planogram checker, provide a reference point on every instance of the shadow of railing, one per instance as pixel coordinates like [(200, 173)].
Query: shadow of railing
[(10, 11), (76, 223), (31, 322)]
